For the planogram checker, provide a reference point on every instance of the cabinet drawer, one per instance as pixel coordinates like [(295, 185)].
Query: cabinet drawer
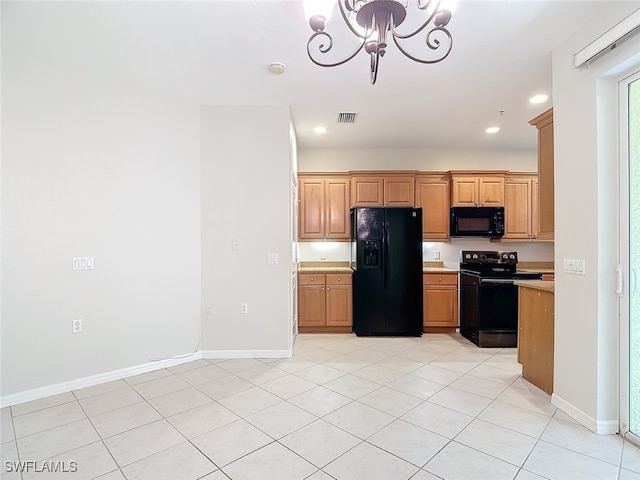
[(338, 279), (440, 278), (311, 278)]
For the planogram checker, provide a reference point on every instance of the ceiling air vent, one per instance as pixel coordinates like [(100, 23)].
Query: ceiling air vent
[(347, 117)]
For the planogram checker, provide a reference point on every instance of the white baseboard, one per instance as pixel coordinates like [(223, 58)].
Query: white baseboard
[(246, 353), (46, 391), (604, 427)]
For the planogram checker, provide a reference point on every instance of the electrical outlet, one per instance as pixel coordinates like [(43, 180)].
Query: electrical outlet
[(436, 255), (76, 325), (272, 258), (209, 308), (244, 308), (235, 245)]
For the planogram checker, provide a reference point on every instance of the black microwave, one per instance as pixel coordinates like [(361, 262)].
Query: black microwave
[(477, 222)]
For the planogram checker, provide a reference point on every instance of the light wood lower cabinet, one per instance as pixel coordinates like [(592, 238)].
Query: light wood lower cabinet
[(535, 337), (324, 302), (440, 298)]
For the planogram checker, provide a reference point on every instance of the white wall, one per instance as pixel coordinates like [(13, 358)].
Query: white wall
[(246, 188), (586, 194), (89, 170), (449, 251), (342, 160)]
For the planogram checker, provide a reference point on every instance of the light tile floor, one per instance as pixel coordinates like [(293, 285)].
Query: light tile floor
[(343, 407)]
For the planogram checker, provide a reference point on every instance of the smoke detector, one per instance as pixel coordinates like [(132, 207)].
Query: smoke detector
[(277, 68)]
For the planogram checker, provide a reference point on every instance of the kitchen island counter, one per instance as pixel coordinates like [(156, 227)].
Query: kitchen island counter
[(547, 286)]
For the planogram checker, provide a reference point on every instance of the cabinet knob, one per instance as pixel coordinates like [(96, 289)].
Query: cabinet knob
[(311, 279), (440, 279), (339, 278), (322, 288)]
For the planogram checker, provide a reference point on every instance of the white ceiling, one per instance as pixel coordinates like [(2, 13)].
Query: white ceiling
[(217, 53)]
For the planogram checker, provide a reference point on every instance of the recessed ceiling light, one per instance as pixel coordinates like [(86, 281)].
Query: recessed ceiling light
[(320, 130), (492, 130), (538, 99)]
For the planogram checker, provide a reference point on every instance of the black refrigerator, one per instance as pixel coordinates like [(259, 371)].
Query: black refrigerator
[(387, 277)]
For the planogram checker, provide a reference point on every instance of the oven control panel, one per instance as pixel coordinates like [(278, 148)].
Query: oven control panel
[(485, 257)]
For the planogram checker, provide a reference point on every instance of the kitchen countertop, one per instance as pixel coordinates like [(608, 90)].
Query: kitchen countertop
[(343, 267), (537, 270), (537, 285), (340, 269), (438, 270), (324, 270)]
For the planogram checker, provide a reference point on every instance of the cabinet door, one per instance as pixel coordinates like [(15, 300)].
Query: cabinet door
[(440, 306), (464, 192), (535, 337), (336, 209), (545, 171), (534, 208), (517, 208), (311, 305), (339, 307), (367, 191), (491, 191), (433, 196), (544, 124), (312, 201), (399, 191)]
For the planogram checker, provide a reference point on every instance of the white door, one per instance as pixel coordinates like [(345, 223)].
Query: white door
[(630, 256)]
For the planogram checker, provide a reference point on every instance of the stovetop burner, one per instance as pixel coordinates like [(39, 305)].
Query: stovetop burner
[(492, 258), (486, 264)]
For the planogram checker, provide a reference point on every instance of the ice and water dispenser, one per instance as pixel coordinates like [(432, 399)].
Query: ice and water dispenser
[(371, 251)]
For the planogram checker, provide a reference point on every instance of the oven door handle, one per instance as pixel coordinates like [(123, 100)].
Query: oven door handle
[(497, 281)]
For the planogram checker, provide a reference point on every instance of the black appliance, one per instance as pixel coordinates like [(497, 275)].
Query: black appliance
[(387, 277), (477, 222), (489, 297)]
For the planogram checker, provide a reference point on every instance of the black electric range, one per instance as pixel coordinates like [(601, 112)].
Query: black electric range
[(489, 297)]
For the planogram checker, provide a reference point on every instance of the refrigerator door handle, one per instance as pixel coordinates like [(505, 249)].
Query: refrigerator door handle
[(385, 271)]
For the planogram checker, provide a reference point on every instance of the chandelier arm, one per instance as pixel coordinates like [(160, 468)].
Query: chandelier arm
[(396, 34), (324, 49), (424, 6), (346, 4), (435, 45)]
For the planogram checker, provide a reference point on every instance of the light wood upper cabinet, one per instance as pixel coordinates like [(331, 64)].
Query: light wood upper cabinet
[(520, 193), (477, 191), (382, 190), (324, 208), (433, 193), (544, 124)]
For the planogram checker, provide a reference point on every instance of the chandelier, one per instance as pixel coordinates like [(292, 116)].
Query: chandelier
[(371, 20)]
